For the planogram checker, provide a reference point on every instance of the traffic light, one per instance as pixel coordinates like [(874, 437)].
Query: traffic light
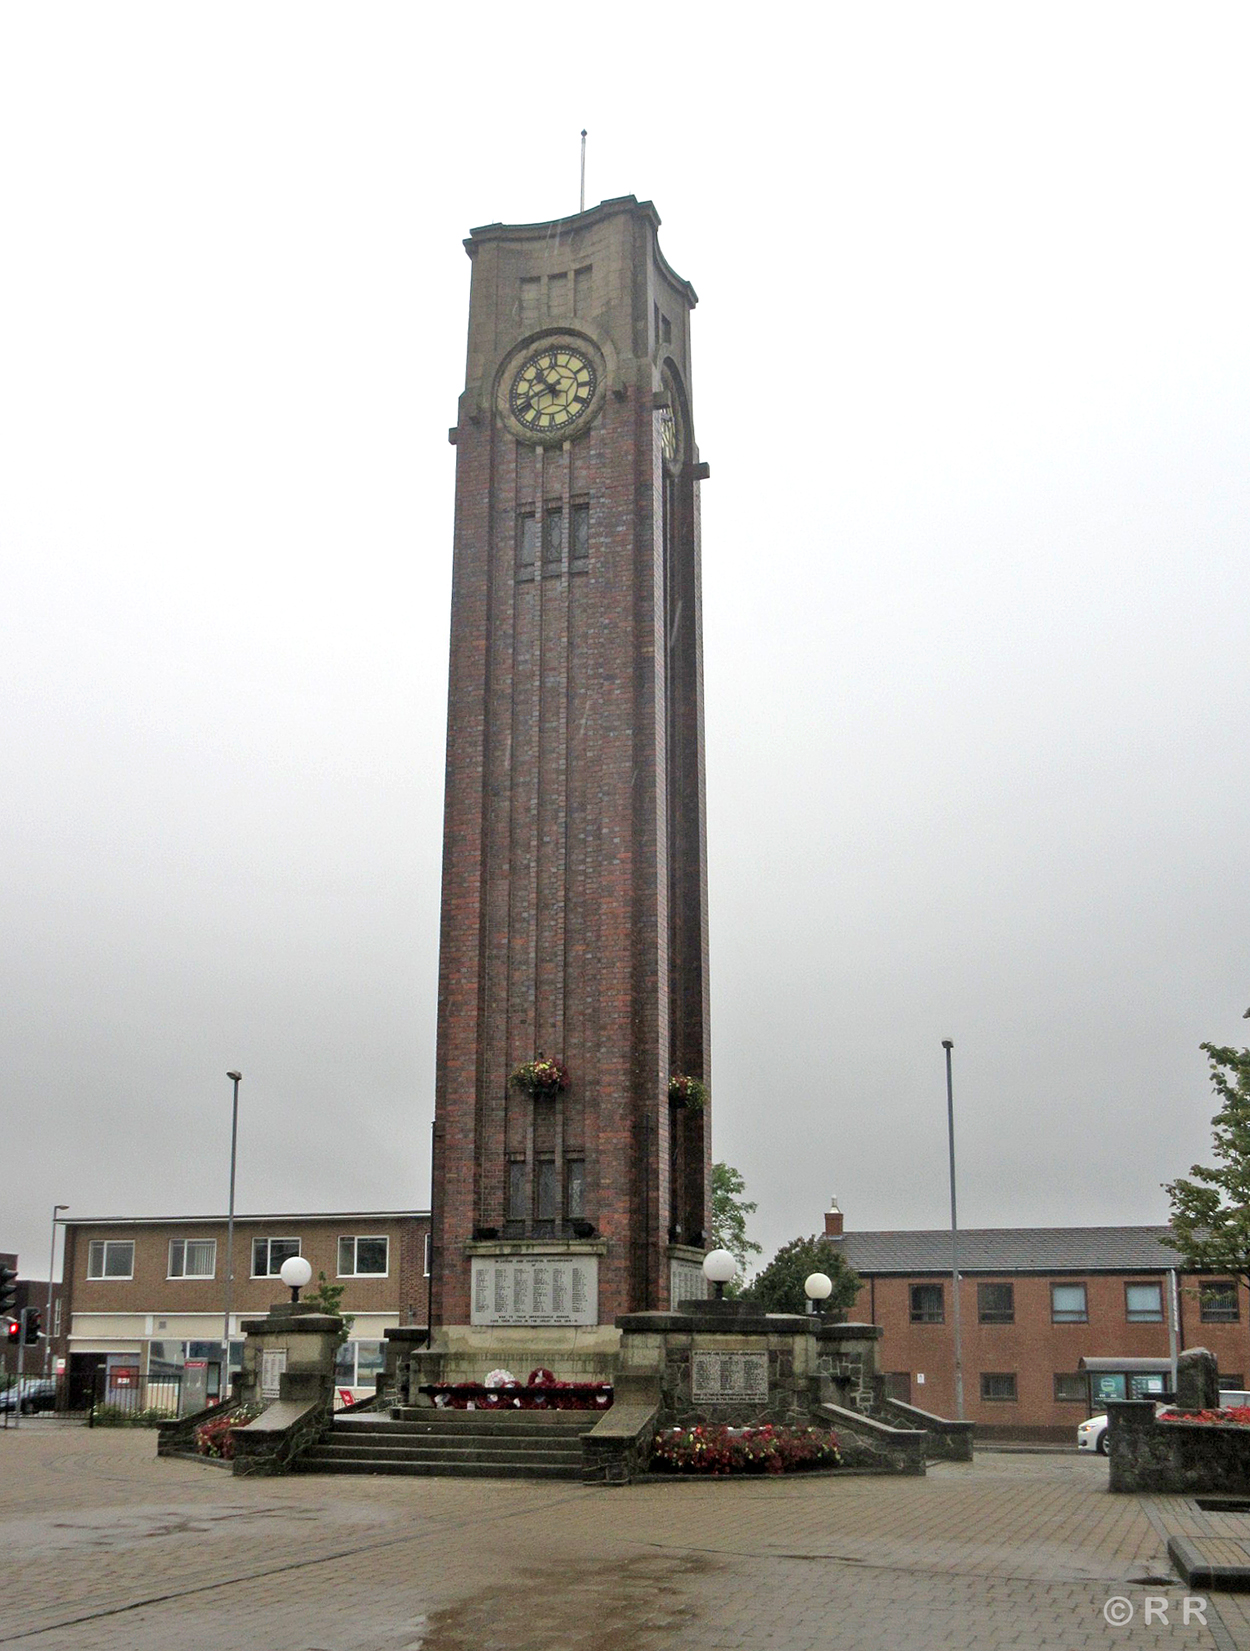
[(8, 1289), (13, 1333), (32, 1326)]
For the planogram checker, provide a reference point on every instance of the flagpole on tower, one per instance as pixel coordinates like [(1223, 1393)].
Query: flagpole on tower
[(582, 198)]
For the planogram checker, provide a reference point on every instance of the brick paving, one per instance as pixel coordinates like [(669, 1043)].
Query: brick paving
[(107, 1549)]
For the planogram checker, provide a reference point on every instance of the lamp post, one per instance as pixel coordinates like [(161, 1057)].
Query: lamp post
[(223, 1386), (295, 1273), (950, 1134), (817, 1287), (47, 1318), (719, 1267)]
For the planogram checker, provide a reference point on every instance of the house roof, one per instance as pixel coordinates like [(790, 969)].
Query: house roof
[(1013, 1250), (338, 1216)]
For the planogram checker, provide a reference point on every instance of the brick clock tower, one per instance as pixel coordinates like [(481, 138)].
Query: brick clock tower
[(574, 905)]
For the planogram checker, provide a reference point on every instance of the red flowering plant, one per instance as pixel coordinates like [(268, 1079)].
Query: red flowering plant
[(1227, 1416), (541, 1076), (683, 1090), (713, 1448), (212, 1438)]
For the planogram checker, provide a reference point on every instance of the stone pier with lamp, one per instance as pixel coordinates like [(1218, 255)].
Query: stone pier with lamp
[(288, 1367), (723, 1360)]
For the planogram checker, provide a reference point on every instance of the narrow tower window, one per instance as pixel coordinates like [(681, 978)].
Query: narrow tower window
[(553, 540), (547, 1189), (526, 545), (516, 1190)]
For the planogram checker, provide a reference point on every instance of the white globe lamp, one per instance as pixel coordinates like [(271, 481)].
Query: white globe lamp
[(295, 1272), (817, 1287), (719, 1267)]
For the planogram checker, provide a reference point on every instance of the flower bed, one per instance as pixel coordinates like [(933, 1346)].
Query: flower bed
[(212, 1438), (712, 1448), (1230, 1416)]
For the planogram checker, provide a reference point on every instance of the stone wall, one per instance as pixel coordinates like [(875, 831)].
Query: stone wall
[(721, 1362), (846, 1360), (1174, 1458), (945, 1440), (271, 1444), (464, 1353)]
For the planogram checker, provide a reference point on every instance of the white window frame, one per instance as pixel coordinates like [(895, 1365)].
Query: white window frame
[(1143, 1315), (276, 1238), (355, 1382), (1069, 1315), (183, 1242), (429, 1239), (355, 1239), (103, 1245)]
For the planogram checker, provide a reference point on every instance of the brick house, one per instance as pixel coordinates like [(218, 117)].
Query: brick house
[(143, 1297), (1033, 1302)]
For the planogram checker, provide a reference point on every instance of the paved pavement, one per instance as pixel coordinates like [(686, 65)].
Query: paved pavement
[(106, 1549)]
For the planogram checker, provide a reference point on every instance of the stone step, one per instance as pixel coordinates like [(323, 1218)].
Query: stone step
[(468, 1452), (437, 1468), (467, 1443), (418, 1435), (571, 1421)]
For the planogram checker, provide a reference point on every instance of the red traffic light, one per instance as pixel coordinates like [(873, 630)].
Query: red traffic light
[(13, 1332)]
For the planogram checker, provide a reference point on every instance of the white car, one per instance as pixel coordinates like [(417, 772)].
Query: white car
[(1092, 1435)]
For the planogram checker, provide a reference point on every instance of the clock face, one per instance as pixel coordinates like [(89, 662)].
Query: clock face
[(552, 391)]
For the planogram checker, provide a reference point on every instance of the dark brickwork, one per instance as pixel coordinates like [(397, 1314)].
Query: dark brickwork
[(574, 916)]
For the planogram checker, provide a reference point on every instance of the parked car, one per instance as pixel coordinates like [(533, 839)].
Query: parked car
[(1092, 1435), (38, 1393)]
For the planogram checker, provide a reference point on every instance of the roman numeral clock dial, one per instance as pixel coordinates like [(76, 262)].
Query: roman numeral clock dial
[(552, 390)]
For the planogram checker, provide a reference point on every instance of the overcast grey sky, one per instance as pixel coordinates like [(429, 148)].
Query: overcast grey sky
[(972, 373)]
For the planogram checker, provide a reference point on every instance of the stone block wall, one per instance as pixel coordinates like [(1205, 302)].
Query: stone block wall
[(714, 1364), (1174, 1458)]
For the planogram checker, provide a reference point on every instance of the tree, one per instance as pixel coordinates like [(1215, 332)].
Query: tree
[(729, 1216), (1211, 1207), (779, 1288), (326, 1298)]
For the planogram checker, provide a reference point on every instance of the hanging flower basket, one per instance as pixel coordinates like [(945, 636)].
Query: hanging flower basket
[(687, 1091), (541, 1077)]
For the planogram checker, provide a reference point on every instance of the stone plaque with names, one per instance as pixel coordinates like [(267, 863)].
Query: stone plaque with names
[(686, 1283), (535, 1289), (729, 1378), (272, 1365)]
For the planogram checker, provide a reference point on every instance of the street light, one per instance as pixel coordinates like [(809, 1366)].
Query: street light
[(47, 1321), (950, 1132), (817, 1287), (295, 1272), (223, 1387), (719, 1267)]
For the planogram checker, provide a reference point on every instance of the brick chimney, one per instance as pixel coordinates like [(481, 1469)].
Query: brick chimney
[(833, 1220)]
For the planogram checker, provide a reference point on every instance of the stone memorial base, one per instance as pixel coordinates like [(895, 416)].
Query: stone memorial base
[(468, 1353)]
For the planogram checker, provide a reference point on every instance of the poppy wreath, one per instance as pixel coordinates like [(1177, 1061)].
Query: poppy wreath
[(684, 1090), (541, 1076)]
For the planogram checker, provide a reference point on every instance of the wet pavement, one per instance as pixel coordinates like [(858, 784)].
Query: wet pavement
[(107, 1549)]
